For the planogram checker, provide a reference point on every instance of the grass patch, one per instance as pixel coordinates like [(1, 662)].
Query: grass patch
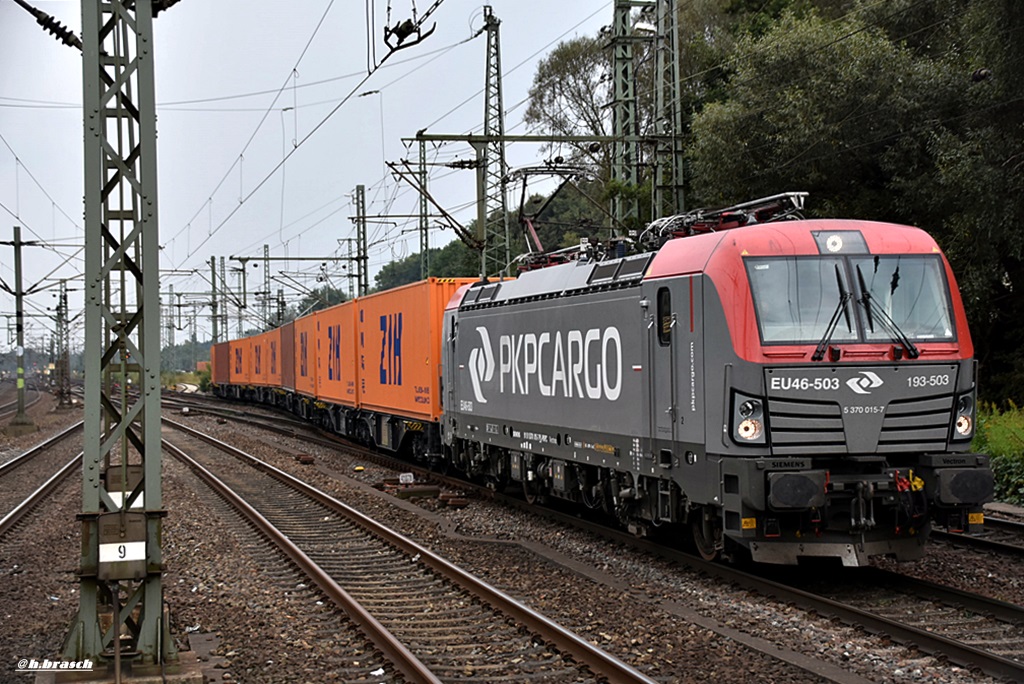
[(1000, 434)]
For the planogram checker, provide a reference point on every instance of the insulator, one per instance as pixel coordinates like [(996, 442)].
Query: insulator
[(61, 32)]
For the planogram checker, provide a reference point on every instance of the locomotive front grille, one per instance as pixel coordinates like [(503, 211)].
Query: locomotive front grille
[(805, 427), (818, 427), (916, 424)]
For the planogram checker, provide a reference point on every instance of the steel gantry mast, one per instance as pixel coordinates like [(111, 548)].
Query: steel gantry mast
[(362, 265), (120, 615), (494, 221), (668, 115), (63, 348), (625, 173)]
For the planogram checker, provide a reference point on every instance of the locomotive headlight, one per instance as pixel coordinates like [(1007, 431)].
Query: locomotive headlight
[(748, 425), (749, 429), (751, 408), (964, 425)]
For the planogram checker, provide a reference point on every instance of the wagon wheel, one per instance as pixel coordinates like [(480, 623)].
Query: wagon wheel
[(532, 491), (531, 488), (706, 547)]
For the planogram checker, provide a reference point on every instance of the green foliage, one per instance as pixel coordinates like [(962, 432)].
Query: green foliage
[(1001, 435), (172, 379), (578, 210), (183, 357), (568, 94), (320, 298), (454, 260), (901, 111), (805, 118), (757, 17)]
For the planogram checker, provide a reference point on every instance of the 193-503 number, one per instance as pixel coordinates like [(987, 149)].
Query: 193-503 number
[(928, 381)]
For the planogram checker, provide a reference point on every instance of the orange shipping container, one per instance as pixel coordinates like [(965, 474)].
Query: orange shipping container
[(336, 355), (305, 355), (399, 348), (241, 361), (220, 363), (287, 355), (266, 367)]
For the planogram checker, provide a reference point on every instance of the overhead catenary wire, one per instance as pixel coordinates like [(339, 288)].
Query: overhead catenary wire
[(266, 114), (192, 251)]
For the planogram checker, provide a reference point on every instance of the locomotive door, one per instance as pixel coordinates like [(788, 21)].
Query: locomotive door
[(663, 404), (449, 375)]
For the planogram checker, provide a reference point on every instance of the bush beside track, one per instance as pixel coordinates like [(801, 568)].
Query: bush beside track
[(1000, 434)]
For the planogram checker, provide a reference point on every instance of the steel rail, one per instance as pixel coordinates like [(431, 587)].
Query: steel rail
[(983, 605), (934, 644), (955, 651), (42, 446), (22, 509), (599, 661), (403, 659), (984, 543), (11, 406)]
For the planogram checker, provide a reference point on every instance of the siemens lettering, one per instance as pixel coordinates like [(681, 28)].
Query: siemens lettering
[(585, 364)]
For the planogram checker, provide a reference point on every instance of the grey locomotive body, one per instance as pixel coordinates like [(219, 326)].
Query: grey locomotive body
[(739, 385)]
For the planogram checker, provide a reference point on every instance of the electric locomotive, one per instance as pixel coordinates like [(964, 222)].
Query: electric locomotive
[(771, 386)]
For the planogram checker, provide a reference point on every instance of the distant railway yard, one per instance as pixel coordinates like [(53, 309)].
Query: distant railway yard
[(341, 598)]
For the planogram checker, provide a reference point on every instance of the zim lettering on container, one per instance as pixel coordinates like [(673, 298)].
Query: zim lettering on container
[(273, 358), (238, 361), (258, 353), (334, 352), (391, 349), (304, 354)]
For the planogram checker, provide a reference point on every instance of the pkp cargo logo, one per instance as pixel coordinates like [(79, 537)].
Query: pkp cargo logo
[(481, 364), (865, 383)]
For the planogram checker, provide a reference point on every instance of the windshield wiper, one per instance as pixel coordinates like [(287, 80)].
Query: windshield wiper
[(841, 307), (871, 306)]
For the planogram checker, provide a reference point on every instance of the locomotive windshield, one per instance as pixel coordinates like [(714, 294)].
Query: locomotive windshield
[(911, 290), (796, 297)]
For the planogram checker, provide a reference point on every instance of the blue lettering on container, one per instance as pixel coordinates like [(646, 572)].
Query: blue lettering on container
[(391, 349), (334, 352)]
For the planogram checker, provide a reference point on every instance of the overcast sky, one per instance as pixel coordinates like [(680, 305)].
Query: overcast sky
[(235, 93)]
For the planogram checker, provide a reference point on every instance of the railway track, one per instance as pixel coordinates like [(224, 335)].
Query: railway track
[(1000, 536), (8, 409), (27, 479), (452, 625), (966, 629)]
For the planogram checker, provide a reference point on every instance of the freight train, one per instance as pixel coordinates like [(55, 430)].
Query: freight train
[(772, 387)]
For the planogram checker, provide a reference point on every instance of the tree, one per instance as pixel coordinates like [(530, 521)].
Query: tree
[(455, 260), (903, 111), (320, 298), (813, 105), (568, 97)]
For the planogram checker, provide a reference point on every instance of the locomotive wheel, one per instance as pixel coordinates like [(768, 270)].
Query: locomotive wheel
[(705, 547), (531, 490)]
